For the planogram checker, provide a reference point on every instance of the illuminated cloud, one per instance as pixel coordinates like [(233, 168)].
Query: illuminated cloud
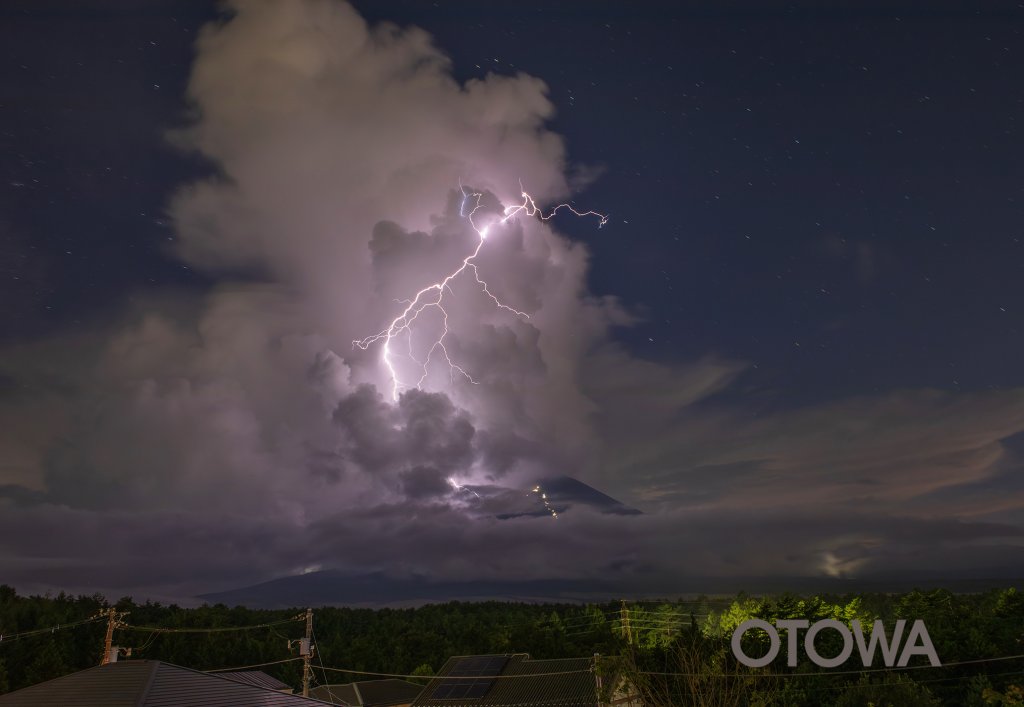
[(202, 444)]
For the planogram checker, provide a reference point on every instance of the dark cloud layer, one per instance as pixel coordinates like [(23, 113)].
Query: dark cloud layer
[(195, 447)]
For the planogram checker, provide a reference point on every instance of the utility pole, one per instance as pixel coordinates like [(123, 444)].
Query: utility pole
[(306, 649), (110, 651), (625, 623), (111, 623)]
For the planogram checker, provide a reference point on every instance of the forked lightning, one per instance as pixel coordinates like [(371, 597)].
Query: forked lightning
[(433, 295)]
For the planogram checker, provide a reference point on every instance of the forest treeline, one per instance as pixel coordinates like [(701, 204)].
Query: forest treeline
[(674, 652)]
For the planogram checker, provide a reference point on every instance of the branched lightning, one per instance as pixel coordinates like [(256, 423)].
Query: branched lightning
[(459, 487), (531, 209), (433, 295)]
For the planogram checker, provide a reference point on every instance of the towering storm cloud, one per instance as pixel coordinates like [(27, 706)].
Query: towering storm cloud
[(348, 200), (203, 443)]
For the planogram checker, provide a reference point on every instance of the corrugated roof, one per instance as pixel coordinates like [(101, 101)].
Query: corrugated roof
[(573, 687), (257, 678), (114, 685), (336, 694), (369, 693), (148, 683)]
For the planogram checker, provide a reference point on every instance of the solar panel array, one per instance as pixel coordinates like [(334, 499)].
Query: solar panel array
[(470, 678)]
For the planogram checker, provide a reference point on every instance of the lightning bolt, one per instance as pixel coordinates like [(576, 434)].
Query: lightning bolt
[(459, 487), (433, 295)]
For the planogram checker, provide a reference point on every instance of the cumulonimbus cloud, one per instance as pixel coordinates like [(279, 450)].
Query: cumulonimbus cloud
[(248, 423)]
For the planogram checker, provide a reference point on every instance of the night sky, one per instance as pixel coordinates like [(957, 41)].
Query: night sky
[(795, 346)]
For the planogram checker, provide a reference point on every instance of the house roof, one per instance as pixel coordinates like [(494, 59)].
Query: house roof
[(148, 683), (520, 682), (369, 693), (257, 678)]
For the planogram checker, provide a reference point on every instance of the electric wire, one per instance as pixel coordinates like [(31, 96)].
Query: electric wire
[(223, 629), (11, 637), (320, 658), (829, 673), (489, 677), (246, 667)]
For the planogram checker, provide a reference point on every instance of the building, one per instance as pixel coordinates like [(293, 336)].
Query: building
[(513, 681), (149, 683), (257, 678), (369, 693)]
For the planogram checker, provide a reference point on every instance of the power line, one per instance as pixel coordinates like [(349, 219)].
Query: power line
[(225, 629), (675, 622), (583, 633), (858, 685), (320, 658), (577, 624), (682, 604), (246, 667), (824, 673), (662, 615), (652, 622), (156, 631), (673, 674), (574, 618), (951, 678), (453, 677), (11, 637), (606, 615)]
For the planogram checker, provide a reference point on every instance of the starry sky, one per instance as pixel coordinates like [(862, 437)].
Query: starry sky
[(802, 321)]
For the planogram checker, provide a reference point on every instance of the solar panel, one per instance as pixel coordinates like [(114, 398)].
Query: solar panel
[(470, 678), (482, 665)]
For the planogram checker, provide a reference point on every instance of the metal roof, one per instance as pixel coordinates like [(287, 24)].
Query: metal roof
[(257, 678), (563, 682), (344, 695), (368, 693), (148, 683)]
